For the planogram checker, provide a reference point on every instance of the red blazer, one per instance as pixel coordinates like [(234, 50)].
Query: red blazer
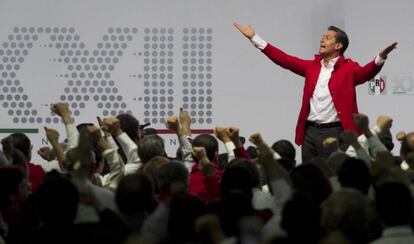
[(345, 76)]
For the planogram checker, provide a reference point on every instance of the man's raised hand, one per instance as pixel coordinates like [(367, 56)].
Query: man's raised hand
[(384, 123), (113, 125), (350, 138), (62, 109), (331, 144), (199, 153), (221, 134), (185, 122), (103, 127), (52, 135), (233, 133), (257, 140), (265, 152), (44, 152), (361, 121), (247, 31), (384, 53), (172, 124)]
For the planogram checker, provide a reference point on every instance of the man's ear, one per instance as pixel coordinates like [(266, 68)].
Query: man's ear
[(338, 46)]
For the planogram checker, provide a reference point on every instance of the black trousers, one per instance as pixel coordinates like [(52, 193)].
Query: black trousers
[(314, 136)]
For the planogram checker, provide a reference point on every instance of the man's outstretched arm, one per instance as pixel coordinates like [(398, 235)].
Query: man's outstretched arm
[(279, 57), (384, 53), (363, 74)]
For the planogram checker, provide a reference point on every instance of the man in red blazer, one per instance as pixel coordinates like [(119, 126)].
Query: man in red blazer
[(329, 98)]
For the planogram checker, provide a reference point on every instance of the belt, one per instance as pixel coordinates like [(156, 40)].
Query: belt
[(323, 125)]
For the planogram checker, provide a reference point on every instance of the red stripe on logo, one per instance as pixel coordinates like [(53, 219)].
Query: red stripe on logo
[(195, 131)]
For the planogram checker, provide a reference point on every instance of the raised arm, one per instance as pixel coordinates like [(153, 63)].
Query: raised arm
[(375, 145), (127, 145), (292, 63), (53, 137), (116, 166), (223, 136), (272, 168), (72, 134), (182, 128), (367, 72)]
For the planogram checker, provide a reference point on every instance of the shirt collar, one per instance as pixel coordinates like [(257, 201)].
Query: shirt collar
[(331, 62)]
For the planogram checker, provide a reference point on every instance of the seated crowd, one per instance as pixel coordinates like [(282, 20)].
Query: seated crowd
[(113, 183)]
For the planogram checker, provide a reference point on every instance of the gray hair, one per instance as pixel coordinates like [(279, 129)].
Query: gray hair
[(149, 147)]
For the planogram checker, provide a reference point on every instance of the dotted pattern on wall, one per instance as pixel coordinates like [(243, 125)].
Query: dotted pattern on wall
[(158, 74), (12, 55), (88, 76), (89, 73), (197, 74)]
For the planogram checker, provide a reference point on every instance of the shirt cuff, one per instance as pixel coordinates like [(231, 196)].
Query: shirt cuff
[(110, 155), (229, 147), (112, 142), (72, 135), (379, 60), (258, 42), (375, 130), (131, 168), (276, 156), (126, 142)]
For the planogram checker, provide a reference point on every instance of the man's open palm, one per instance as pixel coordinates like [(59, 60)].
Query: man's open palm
[(384, 53), (247, 31)]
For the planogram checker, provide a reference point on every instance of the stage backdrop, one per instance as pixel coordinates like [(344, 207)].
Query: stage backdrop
[(151, 57)]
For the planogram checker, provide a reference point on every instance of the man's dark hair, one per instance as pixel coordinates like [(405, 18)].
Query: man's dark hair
[(57, 191), (184, 211), (135, 194), (354, 173), (309, 179), (83, 125), (10, 178), (22, 142), (393, 203), (301, 219), (254, 179), (285, 149), (209, 143), (340, 37), (129, 124)]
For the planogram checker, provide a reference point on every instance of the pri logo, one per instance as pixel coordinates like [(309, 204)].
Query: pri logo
[(376, 86)]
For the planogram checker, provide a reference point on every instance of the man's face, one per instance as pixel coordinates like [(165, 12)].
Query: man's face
[(328, 44)]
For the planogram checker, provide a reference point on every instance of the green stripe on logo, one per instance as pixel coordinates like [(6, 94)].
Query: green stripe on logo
[(19, 130)]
